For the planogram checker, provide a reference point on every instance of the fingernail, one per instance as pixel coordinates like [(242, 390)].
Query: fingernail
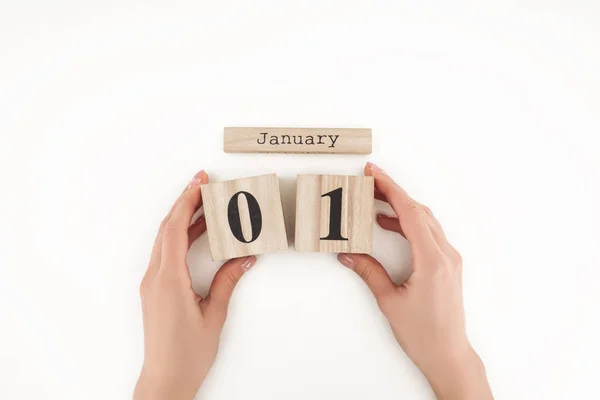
[(198, 179), (248, 263), (374, 168), (203, 176), (199, 220), (345, 259)]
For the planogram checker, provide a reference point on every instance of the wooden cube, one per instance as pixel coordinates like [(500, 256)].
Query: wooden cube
[(244, 217), (334, 213)]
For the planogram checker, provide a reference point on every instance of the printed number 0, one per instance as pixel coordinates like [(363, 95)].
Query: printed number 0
[(235, 223), (335, 215)]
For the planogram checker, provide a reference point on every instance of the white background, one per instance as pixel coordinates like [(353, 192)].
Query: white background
[(489, 114)]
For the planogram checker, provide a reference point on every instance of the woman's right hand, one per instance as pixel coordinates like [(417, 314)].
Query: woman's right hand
[(426, 312)]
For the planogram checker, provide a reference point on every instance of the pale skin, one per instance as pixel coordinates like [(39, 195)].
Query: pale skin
[(426, 313)]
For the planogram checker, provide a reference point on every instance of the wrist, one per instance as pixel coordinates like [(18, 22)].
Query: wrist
[(459, 375), (161, 388)]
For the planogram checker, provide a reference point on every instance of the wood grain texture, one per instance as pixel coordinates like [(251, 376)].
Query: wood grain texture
[(222, 241), (313, 213), (297, 140)]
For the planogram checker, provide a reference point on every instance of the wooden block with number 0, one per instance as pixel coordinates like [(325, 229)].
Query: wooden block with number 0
[(244, 217), (334, 213)]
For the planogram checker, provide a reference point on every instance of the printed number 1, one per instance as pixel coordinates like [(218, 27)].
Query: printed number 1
[(335, 215)]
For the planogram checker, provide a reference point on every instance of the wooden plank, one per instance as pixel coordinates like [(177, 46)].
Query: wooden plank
[(297, 140), (334, 213), (244, 217)]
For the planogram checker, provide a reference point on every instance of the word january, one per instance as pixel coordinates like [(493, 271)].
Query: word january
[(297, 139)]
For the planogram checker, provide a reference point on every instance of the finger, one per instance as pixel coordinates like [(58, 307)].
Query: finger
[(154, 263), (379, 196), (223, 284), (411, 214), (436, 227), (175, 232), (155, 256), (441, 239), (371, 271), (393, 224), (157, 247), (196, 230), (389, 223)]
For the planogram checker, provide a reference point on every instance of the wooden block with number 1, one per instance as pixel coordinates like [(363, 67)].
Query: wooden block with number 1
[(334, 213), (244, 217)]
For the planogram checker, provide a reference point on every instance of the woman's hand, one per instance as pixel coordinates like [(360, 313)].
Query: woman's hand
[(181, 330), (426, 312)]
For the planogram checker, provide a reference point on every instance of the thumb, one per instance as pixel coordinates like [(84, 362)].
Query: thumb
[(371, 271), (222, 286)]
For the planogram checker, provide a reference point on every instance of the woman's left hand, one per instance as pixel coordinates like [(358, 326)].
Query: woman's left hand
[(182, 330)]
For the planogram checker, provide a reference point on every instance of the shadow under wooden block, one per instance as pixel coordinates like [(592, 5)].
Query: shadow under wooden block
[(244, 217), (334, 213)]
